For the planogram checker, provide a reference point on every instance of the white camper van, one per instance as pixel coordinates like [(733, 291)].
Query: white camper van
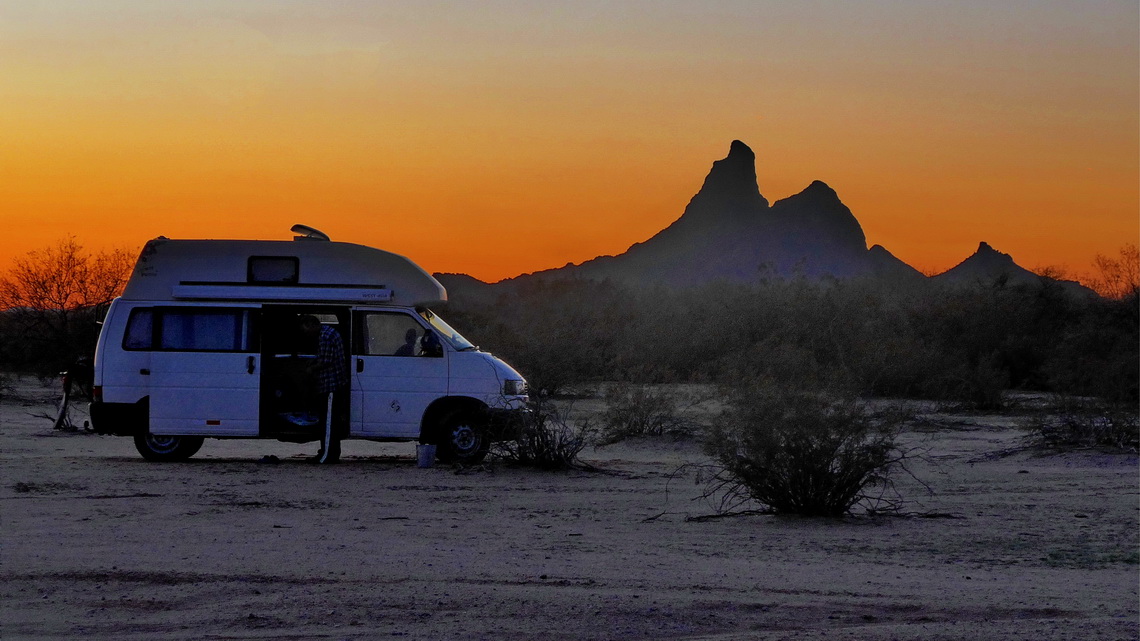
[(206, 342)]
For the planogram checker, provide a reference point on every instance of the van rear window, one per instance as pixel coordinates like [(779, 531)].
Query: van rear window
[(194, 330), (140, 329)]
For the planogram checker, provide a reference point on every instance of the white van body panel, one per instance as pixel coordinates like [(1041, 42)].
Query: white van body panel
[(122, 375), (476, 375), (204, 393), (395, 391)]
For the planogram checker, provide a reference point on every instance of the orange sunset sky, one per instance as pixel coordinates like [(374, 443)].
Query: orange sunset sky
[(496, 138)]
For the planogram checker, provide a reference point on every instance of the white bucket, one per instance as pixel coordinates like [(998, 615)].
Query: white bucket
[(425, 455)]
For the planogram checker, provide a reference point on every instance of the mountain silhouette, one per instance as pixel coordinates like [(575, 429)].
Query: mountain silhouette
[(885, 266), (729, 231), (988, 266)]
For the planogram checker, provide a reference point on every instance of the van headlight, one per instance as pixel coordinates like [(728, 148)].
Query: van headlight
[(514, 387)]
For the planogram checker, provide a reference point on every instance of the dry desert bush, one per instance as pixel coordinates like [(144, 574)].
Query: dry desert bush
[(812, 452), (1075, 423), (644, 410), (545, 438)]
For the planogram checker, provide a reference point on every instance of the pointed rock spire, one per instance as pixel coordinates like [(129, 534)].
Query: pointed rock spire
[(986, 251), (991, 257), (730, 186)]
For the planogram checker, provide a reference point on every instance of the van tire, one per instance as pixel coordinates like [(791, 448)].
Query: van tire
[(167, 448), (462, 439)]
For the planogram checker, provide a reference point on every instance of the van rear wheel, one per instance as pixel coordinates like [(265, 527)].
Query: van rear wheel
[(167, 448), (462, 440)]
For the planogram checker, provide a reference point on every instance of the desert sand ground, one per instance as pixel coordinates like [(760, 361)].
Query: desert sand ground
[(98, 543)]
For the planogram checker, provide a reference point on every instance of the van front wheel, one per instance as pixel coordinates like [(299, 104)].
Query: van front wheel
[(167, 448), (462, 440)]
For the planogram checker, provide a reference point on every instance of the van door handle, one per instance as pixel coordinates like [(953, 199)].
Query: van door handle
[(251, 364), (144, 371), (360, 365)]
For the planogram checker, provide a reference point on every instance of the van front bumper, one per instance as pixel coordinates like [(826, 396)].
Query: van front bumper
[(504, 424)]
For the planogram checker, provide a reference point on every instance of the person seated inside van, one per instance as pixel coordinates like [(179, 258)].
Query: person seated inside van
[(430, 344), (409, 346)]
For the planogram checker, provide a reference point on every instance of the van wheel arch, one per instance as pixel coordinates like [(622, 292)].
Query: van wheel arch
[(457, 426)]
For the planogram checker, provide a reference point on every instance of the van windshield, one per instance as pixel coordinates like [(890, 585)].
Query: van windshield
[(454, 338)]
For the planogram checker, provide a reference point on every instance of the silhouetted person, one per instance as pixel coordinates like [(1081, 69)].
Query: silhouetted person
[(331, 386), (409, 346)]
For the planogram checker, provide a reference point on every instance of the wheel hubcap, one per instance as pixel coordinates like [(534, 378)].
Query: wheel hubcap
[(464, 438), (162, 443)]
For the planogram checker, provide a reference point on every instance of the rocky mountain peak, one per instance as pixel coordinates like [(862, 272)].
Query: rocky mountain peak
[(984, 249), (817, 220), (820, 189), (817, 194), (987, 263), (988, 266), (990, 257), (885, 265), (731, 184)]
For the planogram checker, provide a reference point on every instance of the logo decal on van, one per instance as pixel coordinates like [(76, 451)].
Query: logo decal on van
[(395, 406)]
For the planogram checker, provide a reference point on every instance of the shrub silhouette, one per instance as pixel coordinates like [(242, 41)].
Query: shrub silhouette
[(544, 438), (1117, 278), (803, 451), (51, 301), (641, 410), (1077, 423)]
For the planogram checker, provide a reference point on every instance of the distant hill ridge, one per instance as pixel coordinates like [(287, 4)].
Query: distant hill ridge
[(729, 231)]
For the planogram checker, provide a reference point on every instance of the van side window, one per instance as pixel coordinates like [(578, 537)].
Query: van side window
[(205, 330), (390, 334), (273, 269), (140, 329)]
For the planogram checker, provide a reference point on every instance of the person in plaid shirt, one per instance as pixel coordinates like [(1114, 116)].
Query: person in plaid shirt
[(331, 374)]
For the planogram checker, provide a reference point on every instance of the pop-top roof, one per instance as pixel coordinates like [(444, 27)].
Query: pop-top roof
[(305, 270)]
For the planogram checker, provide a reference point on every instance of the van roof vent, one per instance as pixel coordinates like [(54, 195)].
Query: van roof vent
[(304, 232)]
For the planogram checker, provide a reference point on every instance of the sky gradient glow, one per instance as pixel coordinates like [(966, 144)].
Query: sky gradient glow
[(497, 138)]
